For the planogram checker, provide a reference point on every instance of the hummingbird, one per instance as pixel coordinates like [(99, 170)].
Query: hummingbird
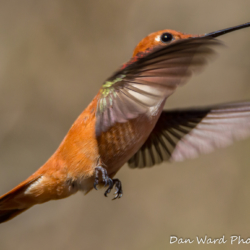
[(125, 122)]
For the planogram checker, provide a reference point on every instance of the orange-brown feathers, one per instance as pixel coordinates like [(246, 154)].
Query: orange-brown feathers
[(79, 148), (63, 174)]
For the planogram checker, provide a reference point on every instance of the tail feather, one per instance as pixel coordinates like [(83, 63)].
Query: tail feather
[(10, 203), (6, 215)]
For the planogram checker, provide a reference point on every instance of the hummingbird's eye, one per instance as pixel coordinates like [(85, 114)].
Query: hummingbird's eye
[(166, 37)]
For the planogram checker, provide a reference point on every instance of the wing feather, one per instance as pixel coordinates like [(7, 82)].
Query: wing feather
[(187, 133), (150, 78)]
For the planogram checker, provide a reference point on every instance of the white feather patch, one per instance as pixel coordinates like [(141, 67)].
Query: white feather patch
[(33, 185)]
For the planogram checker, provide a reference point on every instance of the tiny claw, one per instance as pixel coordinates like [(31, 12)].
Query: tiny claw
[(111, 184), (115, 197), (107, 192), (95, 185), (119, 195), (118, 188), (106, 183)]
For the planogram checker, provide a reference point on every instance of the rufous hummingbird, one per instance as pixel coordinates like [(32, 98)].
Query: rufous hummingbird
[(125, 122)]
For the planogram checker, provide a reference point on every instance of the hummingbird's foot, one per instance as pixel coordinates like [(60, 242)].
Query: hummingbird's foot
[(108, 181), (105, 177), (118, 187)]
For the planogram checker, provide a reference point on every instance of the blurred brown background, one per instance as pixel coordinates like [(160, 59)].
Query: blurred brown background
[(54, 56)]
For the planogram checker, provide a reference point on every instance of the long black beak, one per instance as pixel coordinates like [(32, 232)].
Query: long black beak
[(224, 31)]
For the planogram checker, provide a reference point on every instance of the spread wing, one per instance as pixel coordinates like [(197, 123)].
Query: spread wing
[(187, 133), (149, 78)]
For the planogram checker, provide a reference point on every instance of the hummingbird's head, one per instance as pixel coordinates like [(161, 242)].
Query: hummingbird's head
[(163, 37), (166, 37)]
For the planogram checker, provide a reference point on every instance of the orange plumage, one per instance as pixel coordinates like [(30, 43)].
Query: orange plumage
[(125, 122)]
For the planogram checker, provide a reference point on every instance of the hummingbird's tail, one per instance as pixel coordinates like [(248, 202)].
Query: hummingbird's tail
[(6, 215), (50, 182), (16, 200)]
